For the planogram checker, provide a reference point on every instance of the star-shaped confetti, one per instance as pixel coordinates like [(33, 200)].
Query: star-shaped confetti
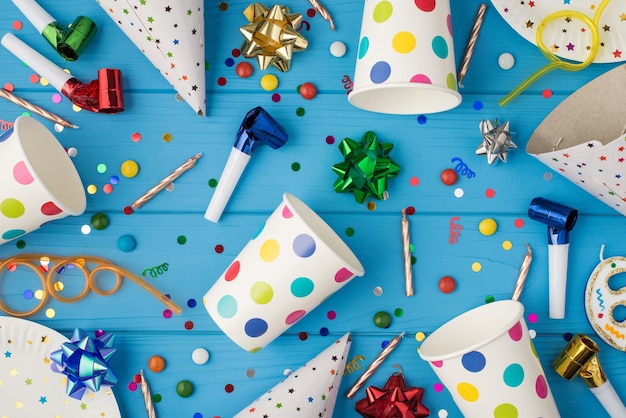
[(271, 36), (497, 141), (366, 169)]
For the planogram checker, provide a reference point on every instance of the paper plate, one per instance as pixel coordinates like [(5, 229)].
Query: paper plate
[(569, 40), (30, 388)]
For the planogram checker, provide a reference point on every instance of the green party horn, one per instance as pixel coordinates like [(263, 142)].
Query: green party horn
[(70, 42)]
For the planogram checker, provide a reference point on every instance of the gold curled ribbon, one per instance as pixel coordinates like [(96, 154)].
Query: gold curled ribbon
[(80, 262)]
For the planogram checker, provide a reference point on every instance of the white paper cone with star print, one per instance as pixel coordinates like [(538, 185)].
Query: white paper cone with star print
[(488, 363), (171, 36), (310, 391), (38, 181), (405, 60), (584, 140), (291, 265)]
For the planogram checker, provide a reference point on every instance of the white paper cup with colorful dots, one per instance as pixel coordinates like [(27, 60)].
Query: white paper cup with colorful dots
[(291, 265), (486, 359), (38, 181), (405, 59)]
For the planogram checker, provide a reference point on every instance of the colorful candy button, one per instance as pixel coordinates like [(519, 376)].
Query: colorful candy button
[(382, 319), (200, 355), (129, 168), (269, 82), (99, 221), (487, 226), (184, 388), (156, 364)]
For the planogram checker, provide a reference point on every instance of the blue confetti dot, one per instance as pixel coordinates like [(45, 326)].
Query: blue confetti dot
[(28, 294), (324, 331), (126, 243), (421, 119), (229, 62), (478, 105), (114, 180), (197, 415), (192, 303)]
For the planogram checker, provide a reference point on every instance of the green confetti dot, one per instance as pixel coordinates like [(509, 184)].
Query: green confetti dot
[(295, 166), (349, 231), (300, 111), (411, 247), (101, 168), (207, 66), (20, 244), (181, 239), (398, 312), (212, 183), (489, 299), (382, 319), (156, 398), (413, 259)]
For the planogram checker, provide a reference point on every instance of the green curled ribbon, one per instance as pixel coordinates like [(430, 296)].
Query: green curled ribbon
[(366, 168)]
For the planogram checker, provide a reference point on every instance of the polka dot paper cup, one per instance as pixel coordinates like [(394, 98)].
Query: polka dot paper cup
[(39, 182), (405, 60), (285, 271), (487, 361)]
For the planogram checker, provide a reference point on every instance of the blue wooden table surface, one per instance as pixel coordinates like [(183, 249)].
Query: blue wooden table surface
[(171, 229)]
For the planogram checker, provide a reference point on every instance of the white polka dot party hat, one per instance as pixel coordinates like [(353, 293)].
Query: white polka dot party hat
[(171, 36)]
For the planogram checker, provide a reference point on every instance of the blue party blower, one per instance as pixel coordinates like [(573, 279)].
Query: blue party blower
[(560, 220), (258, 127)]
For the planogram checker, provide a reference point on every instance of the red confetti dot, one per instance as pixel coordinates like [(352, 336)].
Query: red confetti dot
[(308, 91), (310, 12), (410, 210), (219, 248), (447, 284), (17, 25), (128, 210), (414, 181), (244, 69), (9, 87), (34, 78), (331, 315), (490, 193), (330, 139), (547, 93), (519, 223), (235, 52), (303, 336), (188, 325), (107, 188), (276, 97), (136, 137), (221, 81), (449, 176), (229, 388), (137, 378)]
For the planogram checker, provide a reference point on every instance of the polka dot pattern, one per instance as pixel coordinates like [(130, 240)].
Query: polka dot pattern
[(506, 364), (284, 272), (406, 42)]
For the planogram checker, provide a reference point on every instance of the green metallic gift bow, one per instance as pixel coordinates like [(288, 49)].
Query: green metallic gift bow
[(366, 168)]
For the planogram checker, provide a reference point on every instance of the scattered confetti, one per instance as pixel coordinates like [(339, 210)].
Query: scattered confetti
[(519, 223), (476, 267), (17, 25), (167, 137), (378, 291), (547, 93), (507, 245), (477, 105), (421, 119), (330, 140), (420, 336), (338, 49), (85, 229), (181, 239), (459, 193), (135, 137), (490, 193), (506, 61), (300, 111), (276, 97)]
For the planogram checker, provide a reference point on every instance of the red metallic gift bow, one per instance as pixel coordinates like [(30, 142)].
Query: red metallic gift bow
[(394, 400)]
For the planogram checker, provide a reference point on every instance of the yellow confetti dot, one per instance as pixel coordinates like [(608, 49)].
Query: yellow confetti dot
[(167, 137), (487, 226), (269, 82), (476, 266), (507, 245), (50, 313), (129, 168), (371, 205), (420, 336), (58, 286), (92, 189), (76, 108), (38, 294), (43, 81)]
